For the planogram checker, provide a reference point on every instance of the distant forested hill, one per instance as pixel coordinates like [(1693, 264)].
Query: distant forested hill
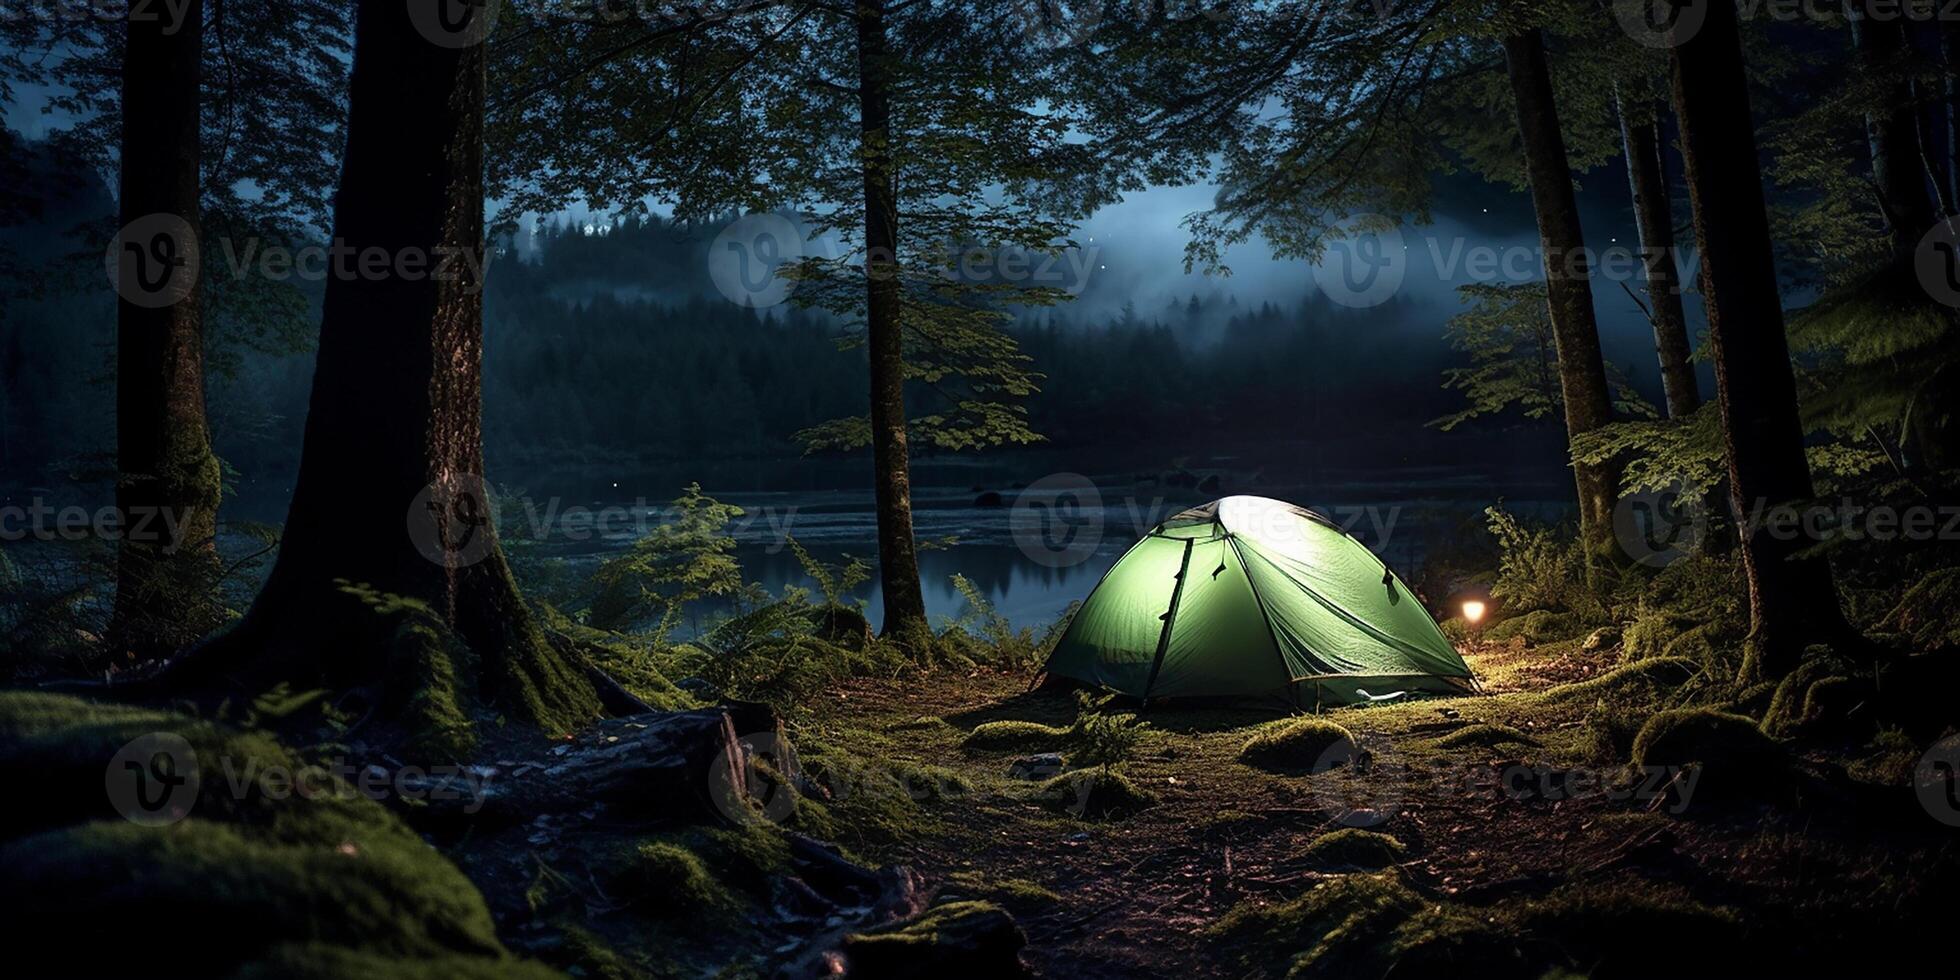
[(610, 344)]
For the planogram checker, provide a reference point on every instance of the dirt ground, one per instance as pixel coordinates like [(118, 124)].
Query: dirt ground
[(1515, 811)]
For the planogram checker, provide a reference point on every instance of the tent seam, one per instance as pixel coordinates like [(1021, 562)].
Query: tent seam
[(1170, 621), (1272, 633)]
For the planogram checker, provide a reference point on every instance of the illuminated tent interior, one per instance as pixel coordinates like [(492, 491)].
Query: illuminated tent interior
[(1253, 597)]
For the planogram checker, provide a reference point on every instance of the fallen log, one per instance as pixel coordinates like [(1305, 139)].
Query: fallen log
[(683, 766)]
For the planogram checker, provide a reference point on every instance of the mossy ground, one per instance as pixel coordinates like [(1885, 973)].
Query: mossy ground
[(251, 878), (1510, 884), (1458, 873)]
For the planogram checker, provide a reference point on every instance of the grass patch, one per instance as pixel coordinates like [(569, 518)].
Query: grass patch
[(1015, 736), (1301, 745), (668, 879), (1310, 933), (1485, 735), (1010, 891), (1353, 847), (1376, 925)]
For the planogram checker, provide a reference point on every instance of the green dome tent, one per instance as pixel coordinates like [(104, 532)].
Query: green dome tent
[(1247, 596)]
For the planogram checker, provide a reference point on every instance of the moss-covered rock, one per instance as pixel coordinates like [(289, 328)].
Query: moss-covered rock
[(282, 876), (1302, 745), (1094, 794), (1015, 736), (1352, 847), (1628, 683), (1731, 754), (666, 879), (1539, 626), (954, 941)]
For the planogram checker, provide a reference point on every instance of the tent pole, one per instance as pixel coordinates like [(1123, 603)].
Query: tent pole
[(1170, 616)]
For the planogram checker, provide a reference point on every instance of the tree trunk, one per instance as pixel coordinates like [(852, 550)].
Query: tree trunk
[(1653, 213), (167, 486), (1792, 601), (898, 558), (1581, 370), (1950, 88), (390, 495), (1892, 136)]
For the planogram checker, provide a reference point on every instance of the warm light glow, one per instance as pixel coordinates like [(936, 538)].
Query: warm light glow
[(1473, 611)]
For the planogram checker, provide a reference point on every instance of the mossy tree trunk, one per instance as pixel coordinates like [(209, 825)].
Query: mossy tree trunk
[(1793, 600), (1891, 131), (167, 485), (898, 557), (390, 490), (1653, 212), (1575, 330)]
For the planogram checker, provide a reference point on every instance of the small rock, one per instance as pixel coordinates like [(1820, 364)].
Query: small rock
[(1363, 817), (1039, 766)]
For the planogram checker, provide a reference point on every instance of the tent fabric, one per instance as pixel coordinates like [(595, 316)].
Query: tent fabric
[(1248, 597)]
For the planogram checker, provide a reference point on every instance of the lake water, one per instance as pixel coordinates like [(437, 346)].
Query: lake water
[(1031, 551), (1034, 551)]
